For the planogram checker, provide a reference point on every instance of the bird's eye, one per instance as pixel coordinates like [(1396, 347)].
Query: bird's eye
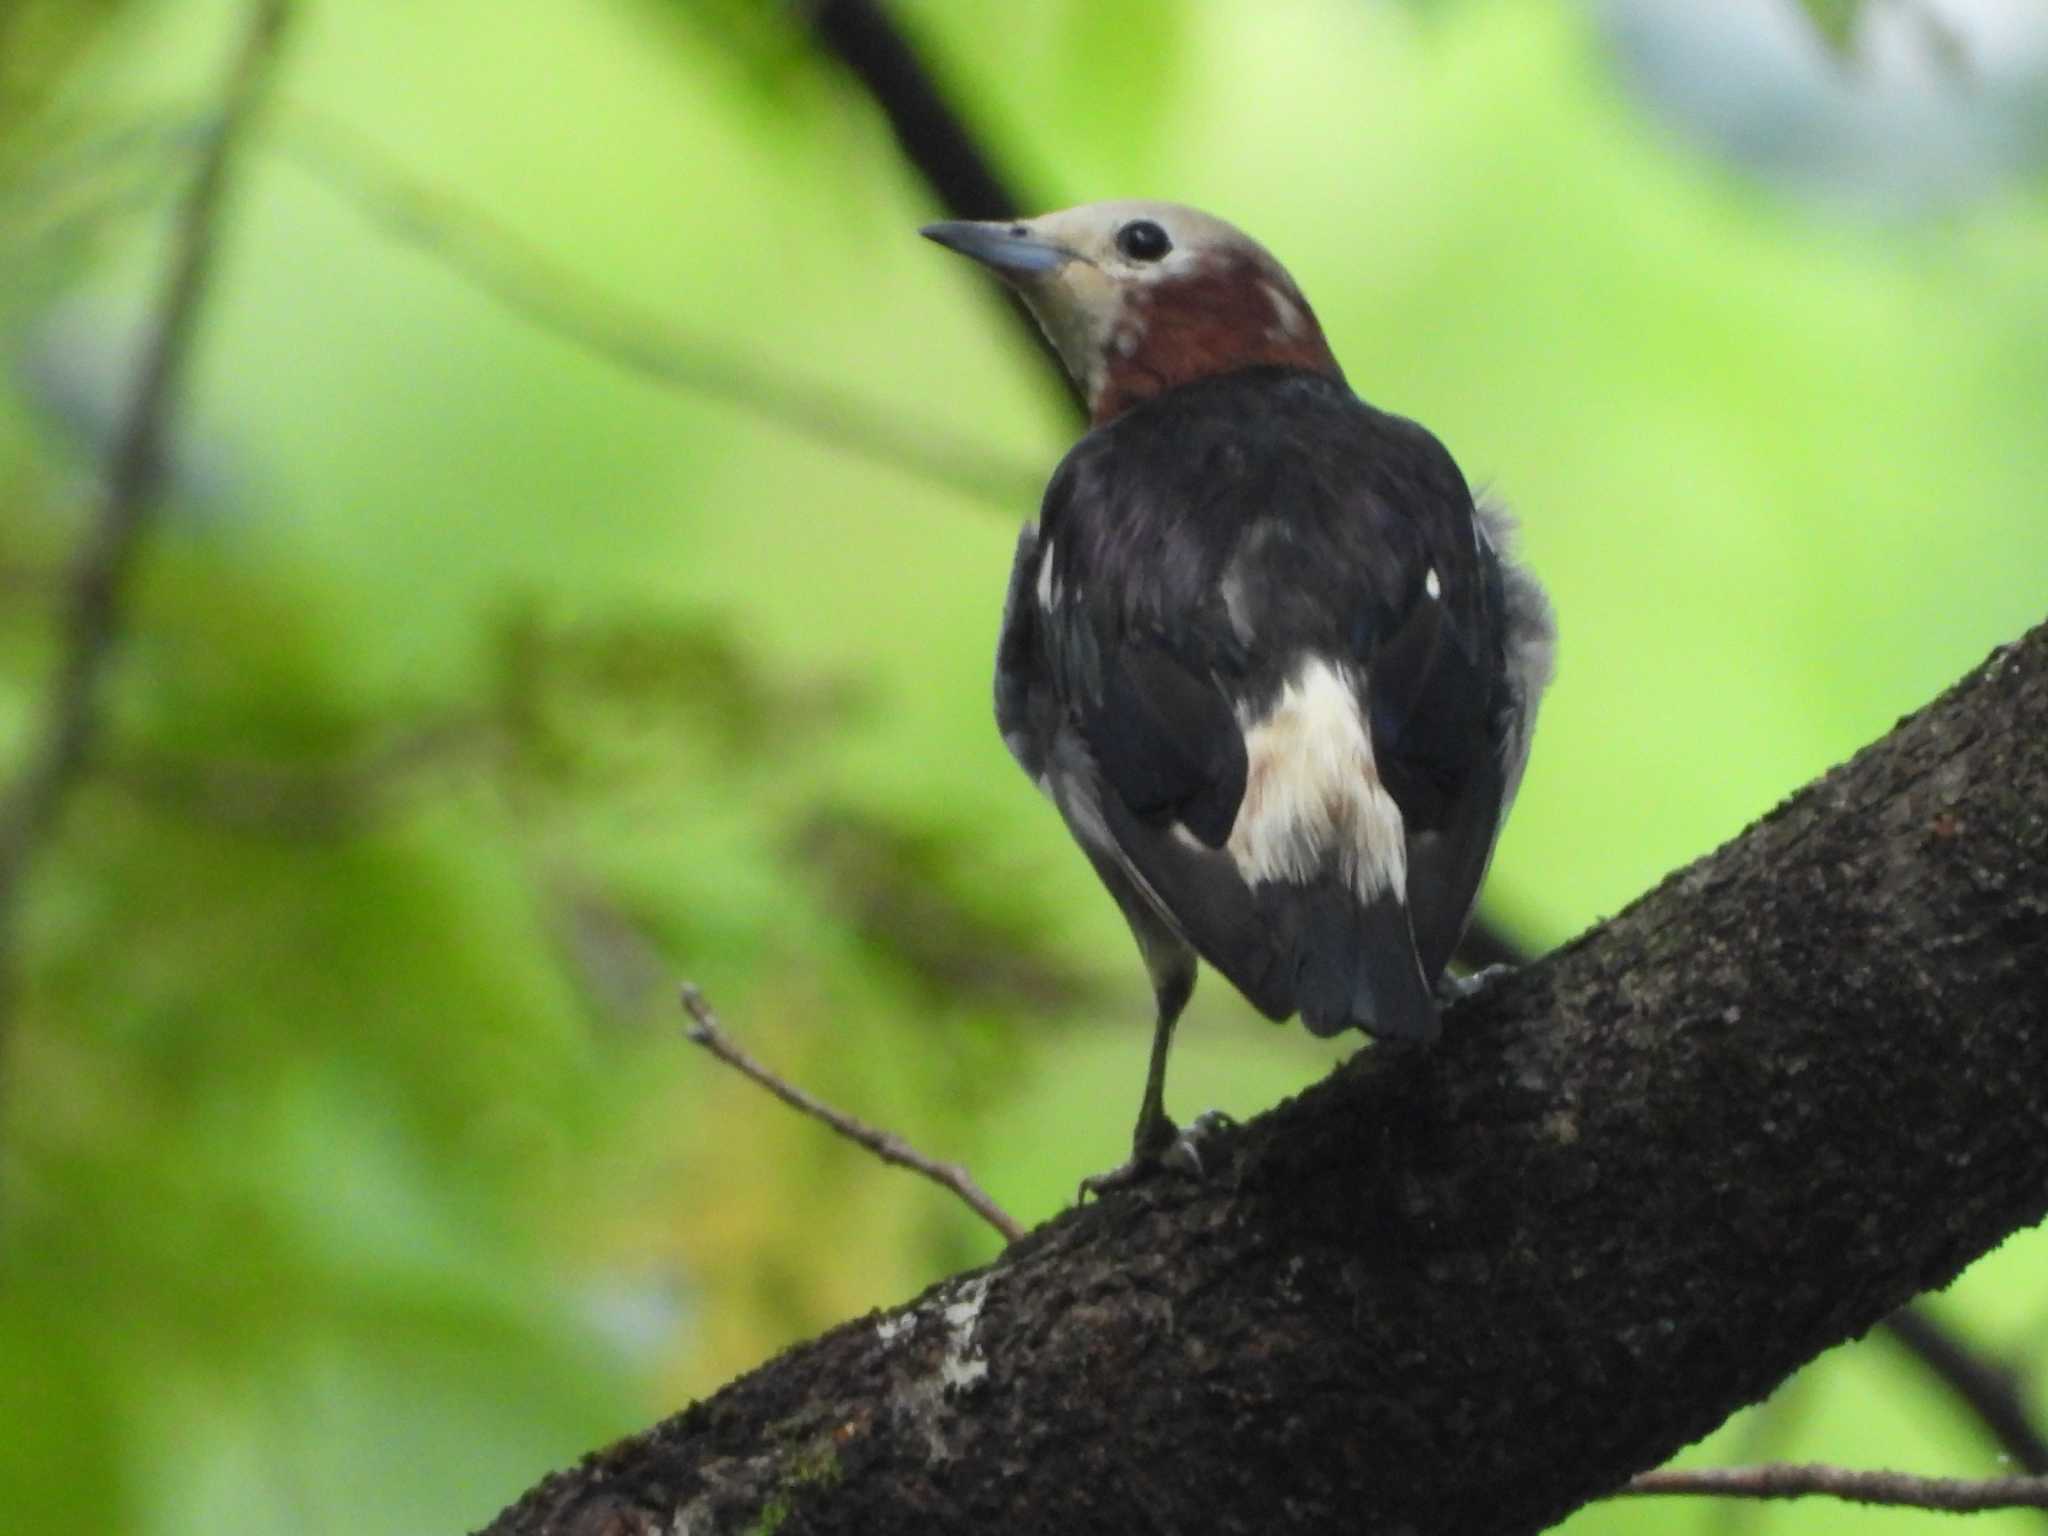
[(1142, 240)]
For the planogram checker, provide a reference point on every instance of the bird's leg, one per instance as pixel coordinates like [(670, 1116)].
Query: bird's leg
[(1155, 1131), (1156, 1142), (1155, 1137)]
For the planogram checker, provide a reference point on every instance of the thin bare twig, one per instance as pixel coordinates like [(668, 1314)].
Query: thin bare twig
[(887, 1145), (542, 291), (1953, 1495), (97, 582)]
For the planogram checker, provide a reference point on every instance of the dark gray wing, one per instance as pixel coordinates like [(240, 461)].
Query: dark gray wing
[(1448, 856), (1026, 711), (1161, 734)]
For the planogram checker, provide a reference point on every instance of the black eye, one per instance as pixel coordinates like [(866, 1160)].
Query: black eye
[(1142, 240)]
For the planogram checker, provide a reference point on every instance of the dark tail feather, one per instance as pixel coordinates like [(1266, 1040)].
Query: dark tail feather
[(1356, 968)]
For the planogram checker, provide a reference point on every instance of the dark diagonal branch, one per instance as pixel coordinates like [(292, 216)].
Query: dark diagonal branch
[(1983, 1386), (69, 717), (887, 1145), (932, 132), (933, 135), (1952, 1495), (1632, 1189)]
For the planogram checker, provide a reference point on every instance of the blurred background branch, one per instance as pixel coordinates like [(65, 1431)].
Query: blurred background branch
[(96, 583), (1991, 1390), (545, 293)]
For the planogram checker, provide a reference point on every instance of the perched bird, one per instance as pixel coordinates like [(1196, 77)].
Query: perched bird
[(1275, 668)]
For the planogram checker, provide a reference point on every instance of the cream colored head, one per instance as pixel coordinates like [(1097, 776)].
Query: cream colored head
[(1139, 297)]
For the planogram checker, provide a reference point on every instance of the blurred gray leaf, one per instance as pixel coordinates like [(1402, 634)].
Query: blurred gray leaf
[(1900, 109)]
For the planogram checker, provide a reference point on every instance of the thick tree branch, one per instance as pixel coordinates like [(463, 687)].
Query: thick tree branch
[(1632, 1189)]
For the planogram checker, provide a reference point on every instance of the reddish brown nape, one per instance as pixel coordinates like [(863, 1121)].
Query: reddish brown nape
[(1215, 320)]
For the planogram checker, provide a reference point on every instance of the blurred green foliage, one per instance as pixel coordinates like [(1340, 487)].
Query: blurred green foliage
[(477, 691), (1835, 20)]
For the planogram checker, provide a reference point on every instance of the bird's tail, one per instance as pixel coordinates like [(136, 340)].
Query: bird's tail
[(1356, 967)]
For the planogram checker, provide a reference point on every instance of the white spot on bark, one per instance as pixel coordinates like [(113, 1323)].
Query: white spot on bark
[(963, 1365), (1433, 584), (1313, 799), (921, 1404)]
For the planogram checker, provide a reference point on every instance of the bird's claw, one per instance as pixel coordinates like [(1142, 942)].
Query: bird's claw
[(1177, 1152), (1184, 1154), (1123, 1176), (1458, 989)]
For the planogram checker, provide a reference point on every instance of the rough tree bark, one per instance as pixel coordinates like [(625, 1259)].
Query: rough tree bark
[(1633, 1188)]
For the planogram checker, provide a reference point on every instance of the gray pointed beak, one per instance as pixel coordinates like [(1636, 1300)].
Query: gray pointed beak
[(1009, 250)]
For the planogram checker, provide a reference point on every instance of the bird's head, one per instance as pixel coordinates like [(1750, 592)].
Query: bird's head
[(1141, 297)]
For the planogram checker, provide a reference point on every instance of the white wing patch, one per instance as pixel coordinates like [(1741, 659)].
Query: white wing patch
[(1048, 583), (1312, 796)]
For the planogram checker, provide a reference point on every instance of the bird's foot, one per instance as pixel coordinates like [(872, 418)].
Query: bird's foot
[(1457, 989), (1160, 1147)]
